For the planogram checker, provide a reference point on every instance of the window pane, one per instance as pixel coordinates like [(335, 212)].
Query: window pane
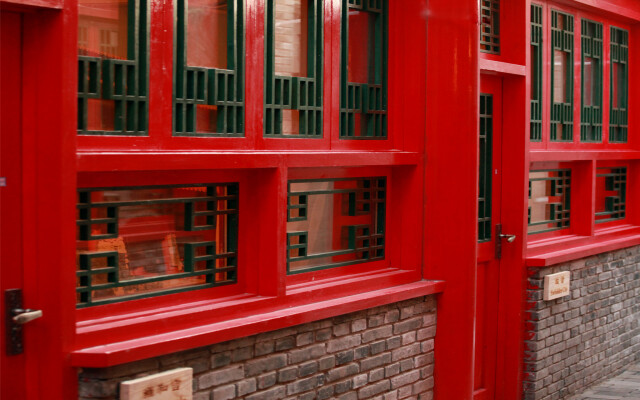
[(560, 77), (335, 222), (207, 33), (611, 186), (291, 32), (361, 52), (549, 200), (616, 85), (102, 33), (589, 81), (132, 243), (102, 28)]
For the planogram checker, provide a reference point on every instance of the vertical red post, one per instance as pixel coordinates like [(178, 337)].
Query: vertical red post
[(451, 187)]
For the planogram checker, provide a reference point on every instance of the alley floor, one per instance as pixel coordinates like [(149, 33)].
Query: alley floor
[(624, 386)]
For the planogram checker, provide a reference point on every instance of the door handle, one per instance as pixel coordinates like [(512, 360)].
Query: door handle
[(21, 316), (510, 238)]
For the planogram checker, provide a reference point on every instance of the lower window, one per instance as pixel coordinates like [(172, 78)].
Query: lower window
[(334, 222), (135, 242)]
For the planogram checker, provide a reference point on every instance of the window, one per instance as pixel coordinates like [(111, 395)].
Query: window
[(363, 70), (536, 74), (485, 168), (490, 26), (619, 85), (591, 117), (611, 188), (144, 241), (334, 222), (561, 76), (209, 68), (112, 67), (293, 72), (549, 200)]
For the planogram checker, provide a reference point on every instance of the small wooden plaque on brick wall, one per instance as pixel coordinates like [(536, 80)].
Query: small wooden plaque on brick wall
[(169, 385), (557, 285)]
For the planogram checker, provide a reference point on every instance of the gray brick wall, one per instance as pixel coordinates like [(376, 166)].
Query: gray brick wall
[(575, 341), (384, 353)]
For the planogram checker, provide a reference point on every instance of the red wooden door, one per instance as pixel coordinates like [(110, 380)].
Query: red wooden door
[(12, 367), (488, 279)]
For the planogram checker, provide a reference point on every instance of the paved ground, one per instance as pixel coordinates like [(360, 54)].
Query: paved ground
[(623, 386)]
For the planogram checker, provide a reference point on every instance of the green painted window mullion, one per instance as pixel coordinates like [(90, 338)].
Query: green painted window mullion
[(303, 94), (618, 116), (535, 133), (562, 111), (591, 115), (223, 88)]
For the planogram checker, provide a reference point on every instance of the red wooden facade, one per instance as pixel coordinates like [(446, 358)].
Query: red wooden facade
[(429, 159)]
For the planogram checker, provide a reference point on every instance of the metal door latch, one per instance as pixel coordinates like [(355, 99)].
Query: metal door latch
[(15, 317), (499, 237)]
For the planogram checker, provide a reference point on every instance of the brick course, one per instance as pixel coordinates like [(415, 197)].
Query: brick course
[(575, 341), (381, 353)]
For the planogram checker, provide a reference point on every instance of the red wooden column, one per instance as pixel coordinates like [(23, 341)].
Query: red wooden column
[(451, 187)]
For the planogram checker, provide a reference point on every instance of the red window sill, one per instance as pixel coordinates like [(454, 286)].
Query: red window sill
[(557, 250), (253, 314)]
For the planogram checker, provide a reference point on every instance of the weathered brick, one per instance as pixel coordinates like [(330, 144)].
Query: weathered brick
[(269, 363), (224, 392), (220, 377), (276, 393)]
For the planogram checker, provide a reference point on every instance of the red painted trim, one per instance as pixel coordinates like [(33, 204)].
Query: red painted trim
[(573, 248), (576, 155), (149, 161), (177, 340), (31, 5)]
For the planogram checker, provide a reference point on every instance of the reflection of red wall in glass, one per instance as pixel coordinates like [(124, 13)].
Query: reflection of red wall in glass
[(291, 35), (207, 33), (361, 46), (615, 85), (560, 76)]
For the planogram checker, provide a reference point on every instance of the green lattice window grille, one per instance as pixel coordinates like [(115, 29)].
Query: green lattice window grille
[(113, 68), (618, 118), (611, 190), (486, 143), (561, 77), (136, 242), (490, 26), (363, 69), (335, 222), (591, 67), (293, 80), (535, 133), (549, 200), (209, 68)]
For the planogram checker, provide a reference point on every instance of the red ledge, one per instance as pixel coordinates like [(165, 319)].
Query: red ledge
[(502, 68), (599, 245), (185, 160), (580, 155), (204, 335)]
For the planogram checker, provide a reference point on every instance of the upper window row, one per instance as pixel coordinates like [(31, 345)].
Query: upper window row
[(209, 68), (567, 33)]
